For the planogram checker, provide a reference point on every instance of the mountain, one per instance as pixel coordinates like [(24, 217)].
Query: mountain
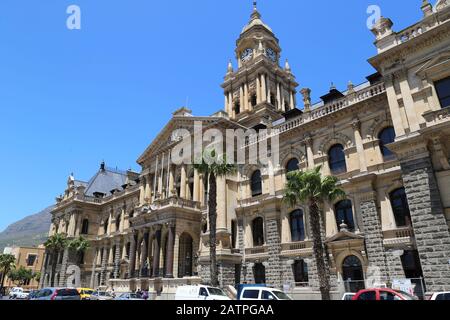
[(30, 231)]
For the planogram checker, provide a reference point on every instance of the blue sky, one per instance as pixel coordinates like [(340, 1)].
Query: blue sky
[(71, 98)]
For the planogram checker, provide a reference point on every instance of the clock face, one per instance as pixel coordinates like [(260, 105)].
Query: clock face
[(271, 54), (246, 55)]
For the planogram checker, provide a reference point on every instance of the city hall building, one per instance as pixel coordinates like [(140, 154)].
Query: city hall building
[(387, 140)]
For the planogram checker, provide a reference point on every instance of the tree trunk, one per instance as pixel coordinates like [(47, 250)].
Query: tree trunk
[(212, 212), (54, 263), (322, 272), (3, 276)]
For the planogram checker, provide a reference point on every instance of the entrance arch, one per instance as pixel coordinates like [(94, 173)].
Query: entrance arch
[(185, 256), (353, 274)]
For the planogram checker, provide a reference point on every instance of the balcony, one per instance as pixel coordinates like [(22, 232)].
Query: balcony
[(400, 236), (256, 252), (297, 248)]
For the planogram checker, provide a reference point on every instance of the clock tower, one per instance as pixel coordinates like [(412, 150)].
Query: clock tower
[(260, 89)]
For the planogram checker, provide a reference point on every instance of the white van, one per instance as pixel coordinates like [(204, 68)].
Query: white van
[(200, 292), (262, 293)]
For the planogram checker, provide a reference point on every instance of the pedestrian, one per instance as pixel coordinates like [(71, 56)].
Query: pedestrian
[(145, 295)]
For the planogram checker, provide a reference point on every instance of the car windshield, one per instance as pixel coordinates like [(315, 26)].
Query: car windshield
[(216, 292), (134, 296), (406, 295), (88, 292), (281, 295), (104, 294)]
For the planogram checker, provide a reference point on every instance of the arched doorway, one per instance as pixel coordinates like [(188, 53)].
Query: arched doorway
[(352, 274), (185, 256)]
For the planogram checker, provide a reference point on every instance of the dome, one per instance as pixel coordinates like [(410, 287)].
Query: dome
[(255, 21)]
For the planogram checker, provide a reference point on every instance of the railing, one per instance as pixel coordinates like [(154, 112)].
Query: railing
[(322, 111), (411, 32), (302, 245), (256, 250), (177, 202)]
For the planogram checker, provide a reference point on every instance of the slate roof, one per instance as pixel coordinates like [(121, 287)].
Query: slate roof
[(105, 180)]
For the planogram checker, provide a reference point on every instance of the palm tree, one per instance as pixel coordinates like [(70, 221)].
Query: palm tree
[(7, 263), (312, 188), (80, 246), (218, 167), (55, 244)]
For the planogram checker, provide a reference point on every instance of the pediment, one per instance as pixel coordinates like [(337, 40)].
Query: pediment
[(435, 65), (344, 236)]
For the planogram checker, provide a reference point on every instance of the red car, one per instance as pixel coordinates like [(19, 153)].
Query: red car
[(382, 294)]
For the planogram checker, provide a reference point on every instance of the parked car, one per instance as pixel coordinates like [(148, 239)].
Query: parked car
[(260, 292), (101, 295), (85, 293), (33, 294), (130, 296), (383, 294), (348, 296), (58, 294), (440, 296), (18, 293), (200, 292)]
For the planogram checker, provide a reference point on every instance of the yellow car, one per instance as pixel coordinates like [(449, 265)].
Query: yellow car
[(85, 293)]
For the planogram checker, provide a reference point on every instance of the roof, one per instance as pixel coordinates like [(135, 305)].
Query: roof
[(105, 180), (255, 21)]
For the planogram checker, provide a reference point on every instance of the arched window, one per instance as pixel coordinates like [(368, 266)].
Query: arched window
[(400, 207), (256, 183), (352, 274), (297, 226), (292, 165), (336, 159), (386, 136), (258, 232), (300, 269), (260, 273), (191, 186), (344, 213), (85, 226)]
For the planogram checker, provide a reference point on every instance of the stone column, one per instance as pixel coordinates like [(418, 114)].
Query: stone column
[(183, 182), (142, 190), (117, 259), (157, 252), (246, 104), (258, 89), (241, 97), (273, 270), (144, 256), (264, 88), (356, 124), (132, 257), (279, 96), (148, 189), (430, 226), (197, 183), (309, 152), (221, 203), (408, 101), (373, 234), (394, 107), (171, 182), (62, 274), (170, 250), (104, 265), (94, 265), (285, 228)]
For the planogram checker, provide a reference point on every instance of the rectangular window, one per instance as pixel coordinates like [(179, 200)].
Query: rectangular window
[(443, 91), (31, 260)]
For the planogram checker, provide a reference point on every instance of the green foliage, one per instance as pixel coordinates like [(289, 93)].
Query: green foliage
[(79, 245), (7, 262), (21, 276), (215, 164), (310, 186), (56, 242)]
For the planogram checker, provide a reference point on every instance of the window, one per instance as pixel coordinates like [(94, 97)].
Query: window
[(344, 213), (260, 273), (250, 294), (233, 233), (118, 222), (297, 226), (131, 214), (292, 165), (443, 91), (31, 260), (384, 295), (85, 227), (258, 232), (336, 160), (256, 183), (400, 207), (369, 295), (105, 226), (253, 100), (300, 272), (203, 292), (237, 107), (266, 295), (273, 101), (443, 296), (386, 136)]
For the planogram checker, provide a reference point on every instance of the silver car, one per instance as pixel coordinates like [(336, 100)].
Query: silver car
[(58, 294), (130, 296)]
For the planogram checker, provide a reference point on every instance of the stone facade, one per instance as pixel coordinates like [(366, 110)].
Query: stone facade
[(386, 140)]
